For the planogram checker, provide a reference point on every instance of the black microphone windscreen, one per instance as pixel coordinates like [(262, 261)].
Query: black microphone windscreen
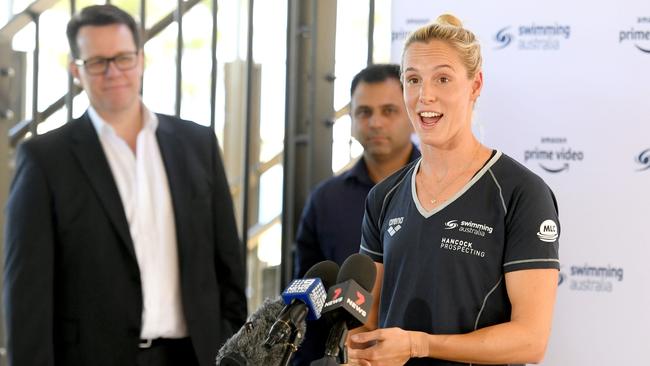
[(326, 271), (247, 343), (360, 268)]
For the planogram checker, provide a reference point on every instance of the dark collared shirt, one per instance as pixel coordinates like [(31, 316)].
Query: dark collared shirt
[(330, 229)]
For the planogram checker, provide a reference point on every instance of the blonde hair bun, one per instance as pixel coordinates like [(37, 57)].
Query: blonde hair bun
[(448, 19), (448, 28)]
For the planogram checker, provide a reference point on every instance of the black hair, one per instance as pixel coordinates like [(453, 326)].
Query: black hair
[(98, 15), (375, 74)]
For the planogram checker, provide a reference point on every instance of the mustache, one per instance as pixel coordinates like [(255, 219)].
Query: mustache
[(374, 136)]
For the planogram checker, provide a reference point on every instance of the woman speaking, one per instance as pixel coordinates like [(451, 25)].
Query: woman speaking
[(465, 239)]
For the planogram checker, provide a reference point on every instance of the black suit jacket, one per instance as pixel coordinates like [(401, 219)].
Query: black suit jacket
[(72, 287)]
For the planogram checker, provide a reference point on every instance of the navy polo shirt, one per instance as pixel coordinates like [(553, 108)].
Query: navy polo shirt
[(330, 226)]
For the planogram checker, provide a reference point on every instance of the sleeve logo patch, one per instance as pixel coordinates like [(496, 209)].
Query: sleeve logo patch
[(548, 231), (394, 225)]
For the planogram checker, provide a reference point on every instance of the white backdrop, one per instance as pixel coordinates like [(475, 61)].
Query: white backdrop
[(567, 93)]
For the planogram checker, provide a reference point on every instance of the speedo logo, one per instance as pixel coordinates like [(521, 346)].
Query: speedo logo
[(469, 227), (394, 225)]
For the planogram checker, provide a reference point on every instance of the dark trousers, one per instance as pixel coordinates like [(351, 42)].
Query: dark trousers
[(168, 352)]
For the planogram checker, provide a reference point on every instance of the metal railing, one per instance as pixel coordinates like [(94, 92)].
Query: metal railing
[(18, 131)]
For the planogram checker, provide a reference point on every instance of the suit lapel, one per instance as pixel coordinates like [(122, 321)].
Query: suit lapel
[(88, 150), (176, 167)]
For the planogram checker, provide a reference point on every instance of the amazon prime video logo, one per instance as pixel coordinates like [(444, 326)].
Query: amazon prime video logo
[(644, 159), (640, 38), (554, 155)]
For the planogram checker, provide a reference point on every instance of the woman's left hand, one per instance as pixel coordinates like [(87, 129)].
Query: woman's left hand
[(392, 347)]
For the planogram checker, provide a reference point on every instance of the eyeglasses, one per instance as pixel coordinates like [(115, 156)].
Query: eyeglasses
[(99, 65)]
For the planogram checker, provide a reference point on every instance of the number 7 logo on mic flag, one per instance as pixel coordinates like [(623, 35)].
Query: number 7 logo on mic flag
[(350, 296), (360, 298), (337, 293)]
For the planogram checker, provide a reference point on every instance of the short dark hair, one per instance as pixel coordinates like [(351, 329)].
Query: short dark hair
[(98, 15), (376, 74)]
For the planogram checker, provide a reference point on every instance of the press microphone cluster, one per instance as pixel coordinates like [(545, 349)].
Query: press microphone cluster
[(274, 331), (347, 306)]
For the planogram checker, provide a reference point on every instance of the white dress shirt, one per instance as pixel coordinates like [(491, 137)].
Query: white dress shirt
[(144, 189)]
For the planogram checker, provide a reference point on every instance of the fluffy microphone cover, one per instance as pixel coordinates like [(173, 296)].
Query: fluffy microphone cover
[(246, 347)]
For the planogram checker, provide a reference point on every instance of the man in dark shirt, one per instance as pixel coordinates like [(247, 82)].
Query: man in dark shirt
[(330, 226)]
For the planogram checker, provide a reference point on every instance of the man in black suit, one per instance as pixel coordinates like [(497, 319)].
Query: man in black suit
[(121, 246)]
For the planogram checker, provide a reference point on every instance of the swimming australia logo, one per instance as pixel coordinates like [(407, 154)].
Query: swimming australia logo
[(533, 36), (394, 225), (451, 224), (555, 155), (548, 231), (503, 38), (589, 277), (468, 226), (640, 38), (644, 159)]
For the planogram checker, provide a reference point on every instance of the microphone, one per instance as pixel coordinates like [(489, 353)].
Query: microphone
[(244, 347), (347, 306), (304, 298)]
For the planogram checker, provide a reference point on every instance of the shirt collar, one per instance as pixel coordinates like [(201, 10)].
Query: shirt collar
[(359, 170), (149, 121)]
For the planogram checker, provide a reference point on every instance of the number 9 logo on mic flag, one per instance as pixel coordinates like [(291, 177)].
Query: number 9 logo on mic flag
[(310, 291)]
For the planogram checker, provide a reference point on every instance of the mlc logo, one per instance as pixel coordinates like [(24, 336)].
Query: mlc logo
[(548, 231)]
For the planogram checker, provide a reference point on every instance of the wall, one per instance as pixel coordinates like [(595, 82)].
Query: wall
[(567, 93)]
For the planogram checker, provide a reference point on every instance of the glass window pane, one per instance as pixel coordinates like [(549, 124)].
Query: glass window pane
[(270, 194), (159, 88), (197, 64), (53, 62), (269, 50), (155, 10), (341, 143), (382, 35), (268, 250), (130, 6), (351, 47)]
